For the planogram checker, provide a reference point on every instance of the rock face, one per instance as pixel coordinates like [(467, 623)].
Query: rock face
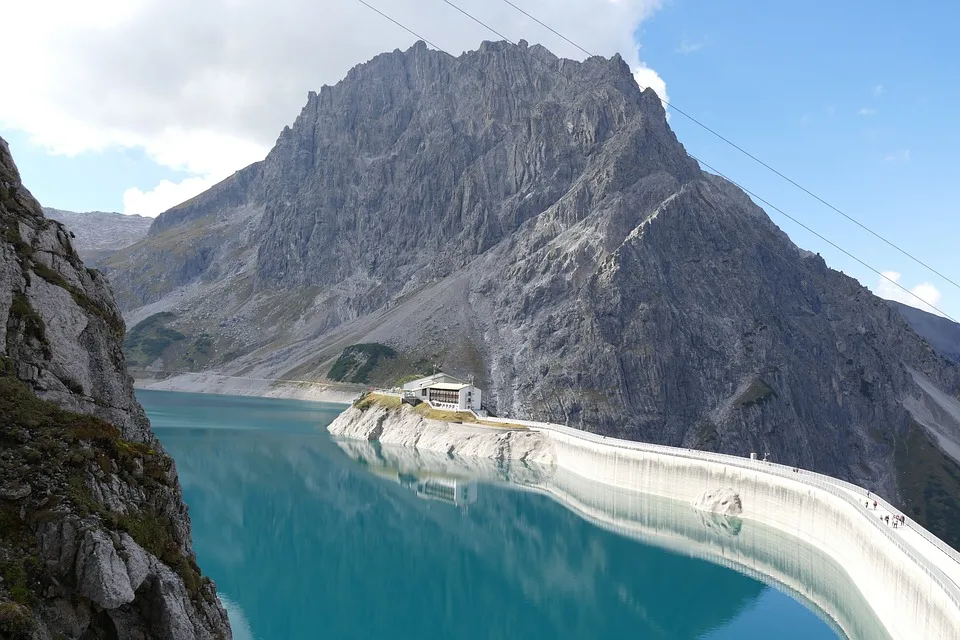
[(405, 427), (97, 234), (942, 334), (535, 222), (94, 534), (724, 502)]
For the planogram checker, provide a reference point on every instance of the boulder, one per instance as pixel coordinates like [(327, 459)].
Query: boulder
[(724, 501)]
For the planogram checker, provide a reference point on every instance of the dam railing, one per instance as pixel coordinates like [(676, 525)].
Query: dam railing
[(834, 486)]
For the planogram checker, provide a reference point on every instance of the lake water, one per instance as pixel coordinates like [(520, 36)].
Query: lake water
[(306, 537)]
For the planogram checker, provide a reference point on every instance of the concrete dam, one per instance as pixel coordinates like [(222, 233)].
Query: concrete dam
[(809, 535)]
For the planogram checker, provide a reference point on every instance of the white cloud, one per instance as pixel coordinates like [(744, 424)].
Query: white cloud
[(647, 77), (929, 296), (165, 195), (866, 111), (689, 46), (206, 87), (898, 156), (877, 90)]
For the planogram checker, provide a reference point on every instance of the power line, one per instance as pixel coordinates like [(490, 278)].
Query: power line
[(827, 240), (711, 168), (734, 145)]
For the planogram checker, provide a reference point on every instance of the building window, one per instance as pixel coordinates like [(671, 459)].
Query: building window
[(444, 396)]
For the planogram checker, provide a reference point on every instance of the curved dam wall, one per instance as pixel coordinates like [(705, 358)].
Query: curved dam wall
[(762, 552), (908, 578), (751, 548), (908, 596)]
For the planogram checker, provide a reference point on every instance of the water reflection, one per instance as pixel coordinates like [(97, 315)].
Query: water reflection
[(313, 538)]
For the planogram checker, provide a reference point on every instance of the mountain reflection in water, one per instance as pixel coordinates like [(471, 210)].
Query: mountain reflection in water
[(311, 538)]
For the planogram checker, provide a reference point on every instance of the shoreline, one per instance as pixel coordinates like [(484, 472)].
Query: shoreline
[(215, 383)]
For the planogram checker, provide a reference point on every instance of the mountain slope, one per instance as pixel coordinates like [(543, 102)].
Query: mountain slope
[(535, 222), (97, 234), (94, 534), (942, 334)]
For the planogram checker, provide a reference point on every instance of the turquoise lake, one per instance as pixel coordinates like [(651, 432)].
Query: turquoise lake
[(305, 537)]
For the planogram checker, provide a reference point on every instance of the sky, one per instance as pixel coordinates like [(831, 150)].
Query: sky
[(137, 105)]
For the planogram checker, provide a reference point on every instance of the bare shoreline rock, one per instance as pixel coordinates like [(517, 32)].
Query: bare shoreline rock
[(405, 427), (725, 502)]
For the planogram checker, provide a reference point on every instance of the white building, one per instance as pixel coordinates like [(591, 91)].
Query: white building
[(439, 377), (443, 391)]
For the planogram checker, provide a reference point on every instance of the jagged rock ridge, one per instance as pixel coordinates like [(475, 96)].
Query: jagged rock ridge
[(94, 534), (537, 224), (97, 234)]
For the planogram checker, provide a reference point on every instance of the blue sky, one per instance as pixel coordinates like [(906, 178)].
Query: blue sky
[(854, 100)]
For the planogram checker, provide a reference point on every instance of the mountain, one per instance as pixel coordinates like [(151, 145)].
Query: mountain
[(942, 334), (97, 234), (534, 222), (94, 533)]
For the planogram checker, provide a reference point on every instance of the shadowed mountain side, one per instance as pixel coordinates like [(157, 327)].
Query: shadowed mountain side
[(942, 334)]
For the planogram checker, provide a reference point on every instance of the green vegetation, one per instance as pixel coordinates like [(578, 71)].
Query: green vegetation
[(367, 400), (442, 414), (357, 361), (198, 352), (148, 340), (16, 621), (929, 484), (24, 318), (56, 453), (757, 393), (11, 232)]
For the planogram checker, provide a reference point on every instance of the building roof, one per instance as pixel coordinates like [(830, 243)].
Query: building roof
[(429, 381), (448, 386)]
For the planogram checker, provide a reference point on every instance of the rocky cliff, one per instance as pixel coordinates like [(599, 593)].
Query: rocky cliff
[(94, 534), (535, 222), (402, 425), (942, 334)]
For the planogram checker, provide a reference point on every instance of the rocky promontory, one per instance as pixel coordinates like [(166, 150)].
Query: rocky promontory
[(95, 539), (406, 426)]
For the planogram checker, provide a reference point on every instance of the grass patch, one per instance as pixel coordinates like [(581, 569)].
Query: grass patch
[(16, 621), (50, 275), (757, 393), (357, 361), (24, 318), (79, 447), (446, 415), (368, 400), (150, 338), (929, 484)]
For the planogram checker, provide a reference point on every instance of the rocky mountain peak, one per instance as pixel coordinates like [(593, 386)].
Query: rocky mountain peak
[(534, 221)]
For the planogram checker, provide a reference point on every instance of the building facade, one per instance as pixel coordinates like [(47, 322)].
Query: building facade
[(443, 391)]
